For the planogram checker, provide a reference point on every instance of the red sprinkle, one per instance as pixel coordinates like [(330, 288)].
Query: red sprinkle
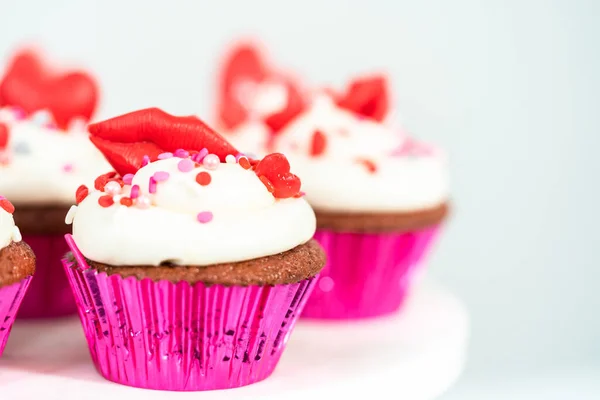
[(370, 165), (81, 193), (318, 143), (203, 178), (106, 201), (7, 206), (102, 180), (244, 163), (267, 183), (126, 201), (3, 135)]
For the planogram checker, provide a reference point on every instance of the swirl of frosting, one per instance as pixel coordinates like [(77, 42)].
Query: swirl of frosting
[(40, 163), (8, 230), (174, 211)]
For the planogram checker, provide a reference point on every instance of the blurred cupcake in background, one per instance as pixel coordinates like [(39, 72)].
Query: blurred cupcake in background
[(45, 154), (380, 197), (254, 99), (17, 265), (191, 263)]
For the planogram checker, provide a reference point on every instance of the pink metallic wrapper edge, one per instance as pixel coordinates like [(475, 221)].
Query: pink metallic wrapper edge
[(49, 294), (10, 299), (182, 337), (366, 275)]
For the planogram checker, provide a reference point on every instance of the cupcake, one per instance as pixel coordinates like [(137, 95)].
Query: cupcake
[(190, 263), (254, 99), (45, 154), (17, 265), (380, 196)]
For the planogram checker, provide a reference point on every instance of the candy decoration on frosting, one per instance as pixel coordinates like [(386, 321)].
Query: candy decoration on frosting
[(245, 65), (4, 134), (369, 165), (367, 97), (81, 193), (126, 139), (32, 86), (274, 171), (6, 205), (318, 144)]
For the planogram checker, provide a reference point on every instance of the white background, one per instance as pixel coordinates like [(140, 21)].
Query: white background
[(510, 88)]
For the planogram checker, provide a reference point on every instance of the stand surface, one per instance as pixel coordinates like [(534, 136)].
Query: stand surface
[(415, 355)]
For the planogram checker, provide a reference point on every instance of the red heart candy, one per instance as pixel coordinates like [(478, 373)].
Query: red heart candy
[(29, 85), (276, 169), (367, 97)]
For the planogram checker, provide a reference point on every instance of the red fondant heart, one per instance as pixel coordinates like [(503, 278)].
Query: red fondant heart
[(126, 139), (29, 85), (276, 168), (367, 97)]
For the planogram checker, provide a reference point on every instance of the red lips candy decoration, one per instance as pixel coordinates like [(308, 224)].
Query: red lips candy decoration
[(29, 85), (126, 139)]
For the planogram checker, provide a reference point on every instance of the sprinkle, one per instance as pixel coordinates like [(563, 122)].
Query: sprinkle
[(70, 215), (369, 165), (113, 188), (143, 202), (204, 217), (164, 156), (230, 159), (16, 234), (238, 156), (203, 178), (7, 206), (181, 153), (106, 201), (135, 191), (81, 193), (127, 179), (185, 165), (299, 195), (244, 163), (68, 168), (145, 161), (267, 183), (199, 157), (318, 144), (161, 176), (152, 185), (211, 161), (4, 134), (126, 201), (102, 180), (18, 113)]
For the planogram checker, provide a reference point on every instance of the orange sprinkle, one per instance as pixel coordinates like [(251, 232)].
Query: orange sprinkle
[(203, 178), (81, 193), (106, 201), (244, 163), (126, 201), (370, 165)]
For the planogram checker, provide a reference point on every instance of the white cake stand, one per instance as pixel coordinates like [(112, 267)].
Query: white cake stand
[(415, 355)]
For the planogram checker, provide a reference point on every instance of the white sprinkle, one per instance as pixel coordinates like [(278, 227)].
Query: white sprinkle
[(230, 159), (71, 215), (16, 234)]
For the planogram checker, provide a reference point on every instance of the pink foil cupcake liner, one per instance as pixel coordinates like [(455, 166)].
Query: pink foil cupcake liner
[(167, 336), (366, 275), (10, 299), (49, 294)]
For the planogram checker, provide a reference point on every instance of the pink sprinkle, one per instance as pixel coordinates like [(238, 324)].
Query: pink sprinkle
[(145, 161), (152, 185), (68, 167), (185, 165), (302, 194), (200, 156), (2, 197), (204, 217), (164, 156), (127, 179), (161, 176), (18, 113), (181, 153), (135, 192)]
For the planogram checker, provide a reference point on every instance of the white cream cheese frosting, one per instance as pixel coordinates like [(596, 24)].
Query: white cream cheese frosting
[(41, 164), (360, 165), (176, 219), (8, 230)]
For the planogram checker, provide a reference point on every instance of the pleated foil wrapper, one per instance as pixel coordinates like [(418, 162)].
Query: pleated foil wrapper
[(366, 275), (11, 297), (49, 294), (182, 337)]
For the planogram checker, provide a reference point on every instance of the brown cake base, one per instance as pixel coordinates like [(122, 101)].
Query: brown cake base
[(292, 266), (381, 222), (17, 262), (42, 219)]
